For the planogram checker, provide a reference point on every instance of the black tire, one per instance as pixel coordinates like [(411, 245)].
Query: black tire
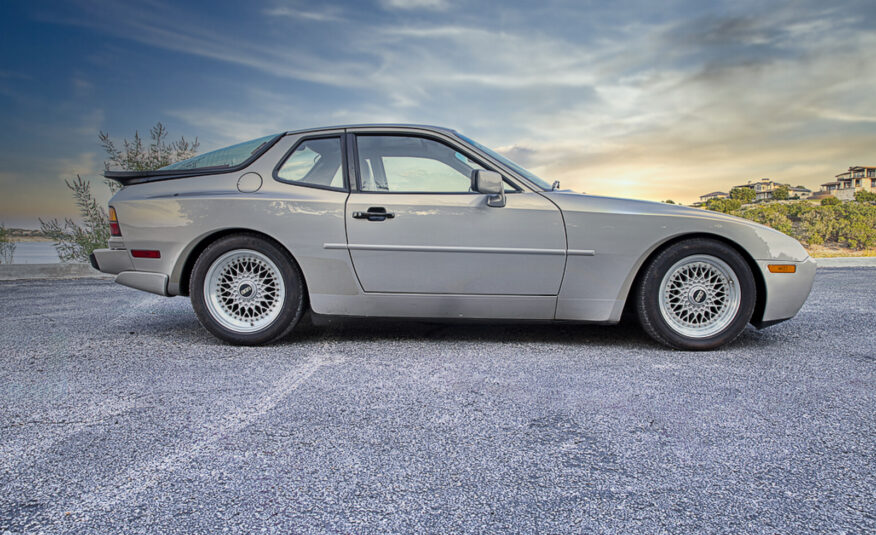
[(291, 308), (647, 295)]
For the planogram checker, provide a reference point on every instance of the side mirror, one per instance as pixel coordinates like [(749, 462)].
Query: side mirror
[(490, 183)]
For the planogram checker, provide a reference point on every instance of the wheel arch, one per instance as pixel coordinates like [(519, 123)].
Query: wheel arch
[(759, 282), (186, 262)]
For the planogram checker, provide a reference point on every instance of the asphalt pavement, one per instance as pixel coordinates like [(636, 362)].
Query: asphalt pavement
[(120, 414)]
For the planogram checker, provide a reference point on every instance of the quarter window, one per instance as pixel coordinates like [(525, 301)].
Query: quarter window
[(315, 162), (413, 165)]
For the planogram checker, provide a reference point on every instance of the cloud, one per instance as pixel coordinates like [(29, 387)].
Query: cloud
[(327, 15), (648, 97), (435, 5), (166, 27), (81, 86)]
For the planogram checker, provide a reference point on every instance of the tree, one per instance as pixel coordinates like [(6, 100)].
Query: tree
[(669, 201), (7, 246), (830, 201), (781, 193), (135, 157), (75, 242), (743, 195)]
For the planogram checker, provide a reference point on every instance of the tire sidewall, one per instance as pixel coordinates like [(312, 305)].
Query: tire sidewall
[(649, 294), (292, 306)]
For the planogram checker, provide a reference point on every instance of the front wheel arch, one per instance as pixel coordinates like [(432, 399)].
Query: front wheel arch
[(759, 282)]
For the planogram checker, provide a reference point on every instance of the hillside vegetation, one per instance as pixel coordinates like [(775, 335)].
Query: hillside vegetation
[(849, 224)]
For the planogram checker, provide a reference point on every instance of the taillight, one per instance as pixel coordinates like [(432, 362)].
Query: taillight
[(114, 223)]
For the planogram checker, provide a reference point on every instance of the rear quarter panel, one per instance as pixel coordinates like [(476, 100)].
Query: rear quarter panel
[(175, 216)]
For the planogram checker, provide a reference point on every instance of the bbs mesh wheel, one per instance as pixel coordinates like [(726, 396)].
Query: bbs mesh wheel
[(246, 290), (697, 294)]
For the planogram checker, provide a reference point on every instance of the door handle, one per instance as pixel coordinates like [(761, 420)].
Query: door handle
[(375, 213)]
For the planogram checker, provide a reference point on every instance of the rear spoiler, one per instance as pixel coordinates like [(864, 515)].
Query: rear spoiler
[(129, 178)]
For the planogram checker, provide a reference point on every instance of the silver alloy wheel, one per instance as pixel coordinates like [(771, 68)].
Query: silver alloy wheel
[(699, 296), (244, 291)]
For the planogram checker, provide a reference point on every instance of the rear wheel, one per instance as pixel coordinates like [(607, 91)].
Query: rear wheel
[(697, 294), (246, 290)]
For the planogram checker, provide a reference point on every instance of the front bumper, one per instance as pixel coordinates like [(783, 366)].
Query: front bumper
[(785, 292), (118, 262)]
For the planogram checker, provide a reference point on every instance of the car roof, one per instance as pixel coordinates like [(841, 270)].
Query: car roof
[(400, 126)]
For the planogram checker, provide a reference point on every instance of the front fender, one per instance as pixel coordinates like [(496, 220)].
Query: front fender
[(624, 233)]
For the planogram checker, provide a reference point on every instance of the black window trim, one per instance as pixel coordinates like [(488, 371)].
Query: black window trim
[(354, 154), (341, 137)]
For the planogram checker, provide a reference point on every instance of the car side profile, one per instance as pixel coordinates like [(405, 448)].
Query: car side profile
[(421, 221)]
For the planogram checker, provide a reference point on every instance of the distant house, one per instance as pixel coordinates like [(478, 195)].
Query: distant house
[(764, 188), (799, 191), (714, 195), (858, 178)]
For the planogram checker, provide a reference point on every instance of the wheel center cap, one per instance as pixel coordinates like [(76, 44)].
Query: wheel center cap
[(697, 296), (246, 290)]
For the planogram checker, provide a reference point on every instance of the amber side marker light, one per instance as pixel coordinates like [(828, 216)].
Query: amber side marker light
[(115, 230), (782, 268)]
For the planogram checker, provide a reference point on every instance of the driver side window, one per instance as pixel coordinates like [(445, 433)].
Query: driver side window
[(412, 165)]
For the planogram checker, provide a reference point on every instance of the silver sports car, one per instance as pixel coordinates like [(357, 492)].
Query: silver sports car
[(421, 221)]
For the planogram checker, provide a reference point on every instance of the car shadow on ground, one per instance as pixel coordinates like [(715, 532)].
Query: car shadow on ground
[(180, 325)]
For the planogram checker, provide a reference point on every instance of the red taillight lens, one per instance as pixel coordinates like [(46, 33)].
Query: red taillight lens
[(115, 230), (145, 253)]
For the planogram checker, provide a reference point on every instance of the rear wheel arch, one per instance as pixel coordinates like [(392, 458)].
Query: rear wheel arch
[(760, 284), (187, 264)]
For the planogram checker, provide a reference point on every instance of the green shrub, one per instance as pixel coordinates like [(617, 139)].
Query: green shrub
[(830, 201), (723, 205), (771, 215), (849, 224), (865, 196), (857, 226), (819, 225), (7, 246), (743, 195)]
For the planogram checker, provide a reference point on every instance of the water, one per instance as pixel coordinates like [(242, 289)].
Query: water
[(35, 252)]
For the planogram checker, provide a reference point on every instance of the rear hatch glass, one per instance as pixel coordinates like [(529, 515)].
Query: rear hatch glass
[(228, 157)]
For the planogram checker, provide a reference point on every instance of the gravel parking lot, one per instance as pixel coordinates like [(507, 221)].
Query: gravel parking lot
[(119, 413)]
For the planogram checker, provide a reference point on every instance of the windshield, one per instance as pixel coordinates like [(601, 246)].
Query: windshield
[(520, 170), (227, 157)]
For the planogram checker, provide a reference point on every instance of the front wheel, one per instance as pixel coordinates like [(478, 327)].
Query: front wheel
[(697, 294), (246, 290)]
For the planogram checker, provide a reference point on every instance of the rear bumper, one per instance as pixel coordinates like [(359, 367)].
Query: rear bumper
[(118, 262), (112, 261), (785, 292), (144, 280)]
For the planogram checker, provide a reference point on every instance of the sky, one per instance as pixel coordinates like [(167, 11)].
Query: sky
[(651, 100)]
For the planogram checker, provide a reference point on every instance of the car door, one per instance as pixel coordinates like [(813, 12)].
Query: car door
[(415, 226)]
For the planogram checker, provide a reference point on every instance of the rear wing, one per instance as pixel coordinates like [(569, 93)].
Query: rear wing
[(128, 178)]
